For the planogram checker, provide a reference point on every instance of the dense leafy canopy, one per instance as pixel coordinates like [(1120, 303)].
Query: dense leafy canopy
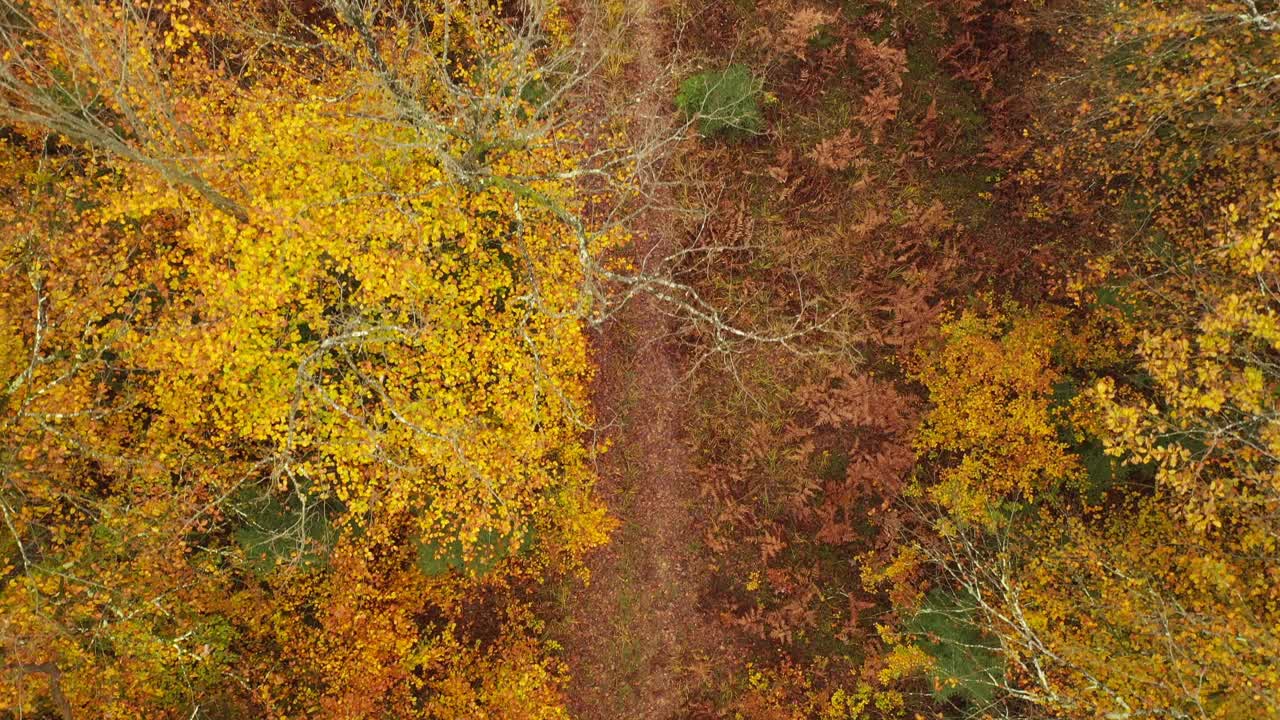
[(1157, 597), (278, 313), (294, 371)]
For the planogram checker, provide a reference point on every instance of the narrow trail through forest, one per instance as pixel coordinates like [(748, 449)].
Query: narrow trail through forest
[(635, 638)]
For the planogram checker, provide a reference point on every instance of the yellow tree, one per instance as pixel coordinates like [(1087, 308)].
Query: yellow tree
[(993, 427), (295, 363), (1160, 600)]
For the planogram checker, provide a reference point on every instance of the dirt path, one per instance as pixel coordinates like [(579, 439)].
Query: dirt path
[(635, 640)]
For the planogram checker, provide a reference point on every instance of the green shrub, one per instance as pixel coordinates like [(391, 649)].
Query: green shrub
[(435, 558), (965, 660), (724, 102), (284, 530)]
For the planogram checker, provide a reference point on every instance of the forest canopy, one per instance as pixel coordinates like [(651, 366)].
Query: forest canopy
[(522, 359), (294, 356)]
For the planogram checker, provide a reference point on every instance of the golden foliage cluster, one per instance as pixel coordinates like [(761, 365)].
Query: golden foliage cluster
[(293, 357)]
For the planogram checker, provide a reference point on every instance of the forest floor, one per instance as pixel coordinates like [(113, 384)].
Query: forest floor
[(634, 637), (749, 497)]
